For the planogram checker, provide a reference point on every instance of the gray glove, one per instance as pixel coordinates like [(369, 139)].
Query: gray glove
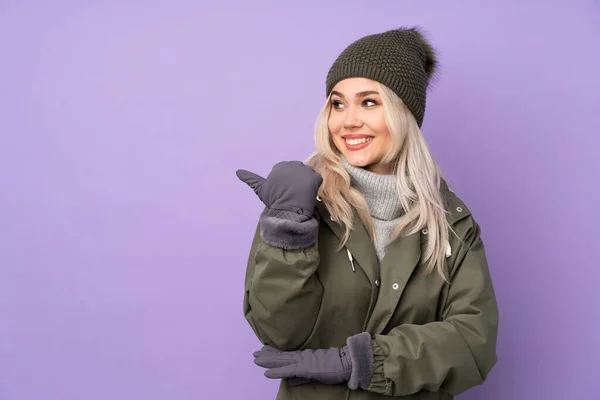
[(331, 366), (291, 186), (352, 363)]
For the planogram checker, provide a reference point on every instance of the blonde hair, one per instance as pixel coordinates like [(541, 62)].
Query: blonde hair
[(418, 179)]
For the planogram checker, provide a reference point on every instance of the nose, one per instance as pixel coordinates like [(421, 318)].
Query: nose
[(352, 119)]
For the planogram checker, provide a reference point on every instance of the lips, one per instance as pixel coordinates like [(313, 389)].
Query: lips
[(357, 142)]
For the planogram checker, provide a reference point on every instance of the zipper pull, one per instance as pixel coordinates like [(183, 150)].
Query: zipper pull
[(351, 260)]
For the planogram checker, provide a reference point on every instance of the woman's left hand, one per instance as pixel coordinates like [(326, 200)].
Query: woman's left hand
[(331, 366), (352, 363)]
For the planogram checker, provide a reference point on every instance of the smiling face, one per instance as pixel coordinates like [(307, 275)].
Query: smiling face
[(357, 124)]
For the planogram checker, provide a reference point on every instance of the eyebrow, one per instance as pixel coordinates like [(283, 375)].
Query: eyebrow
[(359, 94)]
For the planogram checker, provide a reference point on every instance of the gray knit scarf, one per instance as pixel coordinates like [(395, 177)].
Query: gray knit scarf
[(379, 191)]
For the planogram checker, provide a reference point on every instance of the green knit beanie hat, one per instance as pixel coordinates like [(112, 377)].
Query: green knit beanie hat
[(400, 59)]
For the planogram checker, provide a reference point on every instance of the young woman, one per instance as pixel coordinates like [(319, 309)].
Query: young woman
[(367, 277)]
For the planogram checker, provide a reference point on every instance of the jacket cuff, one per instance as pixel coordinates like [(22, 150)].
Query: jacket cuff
[(378, 383), (361, 355), (288, 230)]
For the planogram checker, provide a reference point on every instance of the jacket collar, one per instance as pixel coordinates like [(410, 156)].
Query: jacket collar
[(401, 259)]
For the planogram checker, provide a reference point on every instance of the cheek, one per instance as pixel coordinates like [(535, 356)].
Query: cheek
[(380, 127), (334, 124)]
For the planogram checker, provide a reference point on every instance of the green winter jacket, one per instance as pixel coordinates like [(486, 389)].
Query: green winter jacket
[(430, 339)]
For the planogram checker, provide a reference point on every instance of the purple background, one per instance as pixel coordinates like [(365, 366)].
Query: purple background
[(124, 231)]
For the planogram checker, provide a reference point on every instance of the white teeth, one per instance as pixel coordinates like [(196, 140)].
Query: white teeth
[(354, 142)]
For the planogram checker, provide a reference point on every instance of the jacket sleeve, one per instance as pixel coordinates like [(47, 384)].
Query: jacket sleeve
[(455, 353), (282, 293)]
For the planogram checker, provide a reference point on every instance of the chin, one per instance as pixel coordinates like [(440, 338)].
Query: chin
[(358, 160)]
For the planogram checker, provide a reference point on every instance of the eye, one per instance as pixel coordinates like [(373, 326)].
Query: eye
[(336, 104), (369, 102)]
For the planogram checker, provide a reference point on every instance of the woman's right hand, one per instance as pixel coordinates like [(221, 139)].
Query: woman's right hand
[(291, 186)]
